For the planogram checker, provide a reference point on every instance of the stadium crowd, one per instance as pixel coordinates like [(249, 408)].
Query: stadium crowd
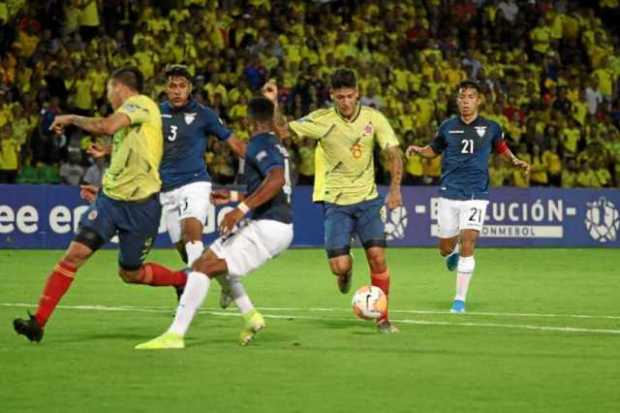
[(549, 70)]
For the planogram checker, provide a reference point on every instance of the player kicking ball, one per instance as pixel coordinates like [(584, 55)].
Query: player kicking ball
[(466, 141), (268, 232), (346, 135)]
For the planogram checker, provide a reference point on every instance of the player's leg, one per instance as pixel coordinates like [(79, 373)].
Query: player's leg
[(138, 228), (371, 230), (237, 255), (96, 228), (196, 288), (338, 226), (471, 222), (448, 221)]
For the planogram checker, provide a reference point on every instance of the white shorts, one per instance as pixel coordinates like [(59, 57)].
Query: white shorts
[(253, 245), (455, 216), (188, 201)]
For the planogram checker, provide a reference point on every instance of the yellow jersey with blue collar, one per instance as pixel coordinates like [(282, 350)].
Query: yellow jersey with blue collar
[(344, 161), (137, 150)]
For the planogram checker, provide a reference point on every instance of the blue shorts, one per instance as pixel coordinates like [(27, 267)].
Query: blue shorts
[(344, 221), (136, 224)]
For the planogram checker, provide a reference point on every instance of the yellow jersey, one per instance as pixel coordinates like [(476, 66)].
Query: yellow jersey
[(133, 174), (344, 161)]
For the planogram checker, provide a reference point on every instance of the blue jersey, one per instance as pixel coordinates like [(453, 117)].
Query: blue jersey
[(264, 152), (186, 130), (466, 149)]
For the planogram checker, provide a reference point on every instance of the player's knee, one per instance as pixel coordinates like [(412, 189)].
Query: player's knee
[(340, 265), (129, 276), (445, 250)]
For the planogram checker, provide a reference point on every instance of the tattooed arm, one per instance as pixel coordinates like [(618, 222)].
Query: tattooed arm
[(395, 160)]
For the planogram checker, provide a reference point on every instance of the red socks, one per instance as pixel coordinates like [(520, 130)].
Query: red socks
[(158, 276), (382, 280), (57, 285)]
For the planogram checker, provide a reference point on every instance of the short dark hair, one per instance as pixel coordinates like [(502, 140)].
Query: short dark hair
[(343, 77), (178, 71), (470, 84), (260, 109), (130, 76)]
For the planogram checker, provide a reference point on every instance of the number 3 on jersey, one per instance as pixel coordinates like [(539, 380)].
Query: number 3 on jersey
[(468, 146), (173, 133)]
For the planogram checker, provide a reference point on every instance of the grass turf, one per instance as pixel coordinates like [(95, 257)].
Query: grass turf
[(524, 345)]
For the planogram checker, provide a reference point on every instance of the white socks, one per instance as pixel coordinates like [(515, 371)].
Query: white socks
[(194, 251), (194, 295), (465, 270), (241, 298)]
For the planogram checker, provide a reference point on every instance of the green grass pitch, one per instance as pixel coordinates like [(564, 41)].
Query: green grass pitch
[(542, 334)]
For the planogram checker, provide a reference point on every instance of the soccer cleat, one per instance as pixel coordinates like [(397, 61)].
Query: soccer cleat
[(254, 322), (344, 282), (29, 328), (179, 291), (458, 307), (167, 340), (452, 261), (386, 327)]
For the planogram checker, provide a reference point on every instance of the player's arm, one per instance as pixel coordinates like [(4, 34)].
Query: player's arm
[(270, 91), (97, 126), (272, 184), (237, 145), (424, 151), (396, 175), (506, 154), (387, 141)]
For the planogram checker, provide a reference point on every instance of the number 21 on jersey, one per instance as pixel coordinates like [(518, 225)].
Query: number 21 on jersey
[(468, 146)]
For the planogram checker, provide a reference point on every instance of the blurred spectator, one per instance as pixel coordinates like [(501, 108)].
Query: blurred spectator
[(71, 171), (94, 174), (9, 155)]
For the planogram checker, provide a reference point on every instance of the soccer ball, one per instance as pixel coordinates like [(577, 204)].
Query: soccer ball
[(369, 302)]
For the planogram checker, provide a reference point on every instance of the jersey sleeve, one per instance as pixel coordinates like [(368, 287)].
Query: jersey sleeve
[(265, 157), (215, 126), (439, 144), (137, 109), (310, 126), (498, 141), (383, 132)]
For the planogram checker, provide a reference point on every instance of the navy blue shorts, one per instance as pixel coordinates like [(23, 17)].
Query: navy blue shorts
[(362, 219), (136, 224)]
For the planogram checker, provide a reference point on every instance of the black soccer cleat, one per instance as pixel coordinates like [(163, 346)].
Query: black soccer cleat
[(179, 291), (29, 328)]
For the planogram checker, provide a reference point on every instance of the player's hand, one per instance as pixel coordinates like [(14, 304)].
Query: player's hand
[(88, 193), (394, 199), (230, 221), (59, 123), (96, 150), (220, 197), (521, 164), (270, 90), (412, 150)]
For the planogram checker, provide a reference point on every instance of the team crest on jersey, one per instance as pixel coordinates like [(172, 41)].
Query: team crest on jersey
[(189, 118), (368, 129), (481, 130), (92, 215)]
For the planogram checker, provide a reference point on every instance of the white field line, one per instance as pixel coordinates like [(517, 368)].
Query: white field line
[(336, 310), (566, 329)]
